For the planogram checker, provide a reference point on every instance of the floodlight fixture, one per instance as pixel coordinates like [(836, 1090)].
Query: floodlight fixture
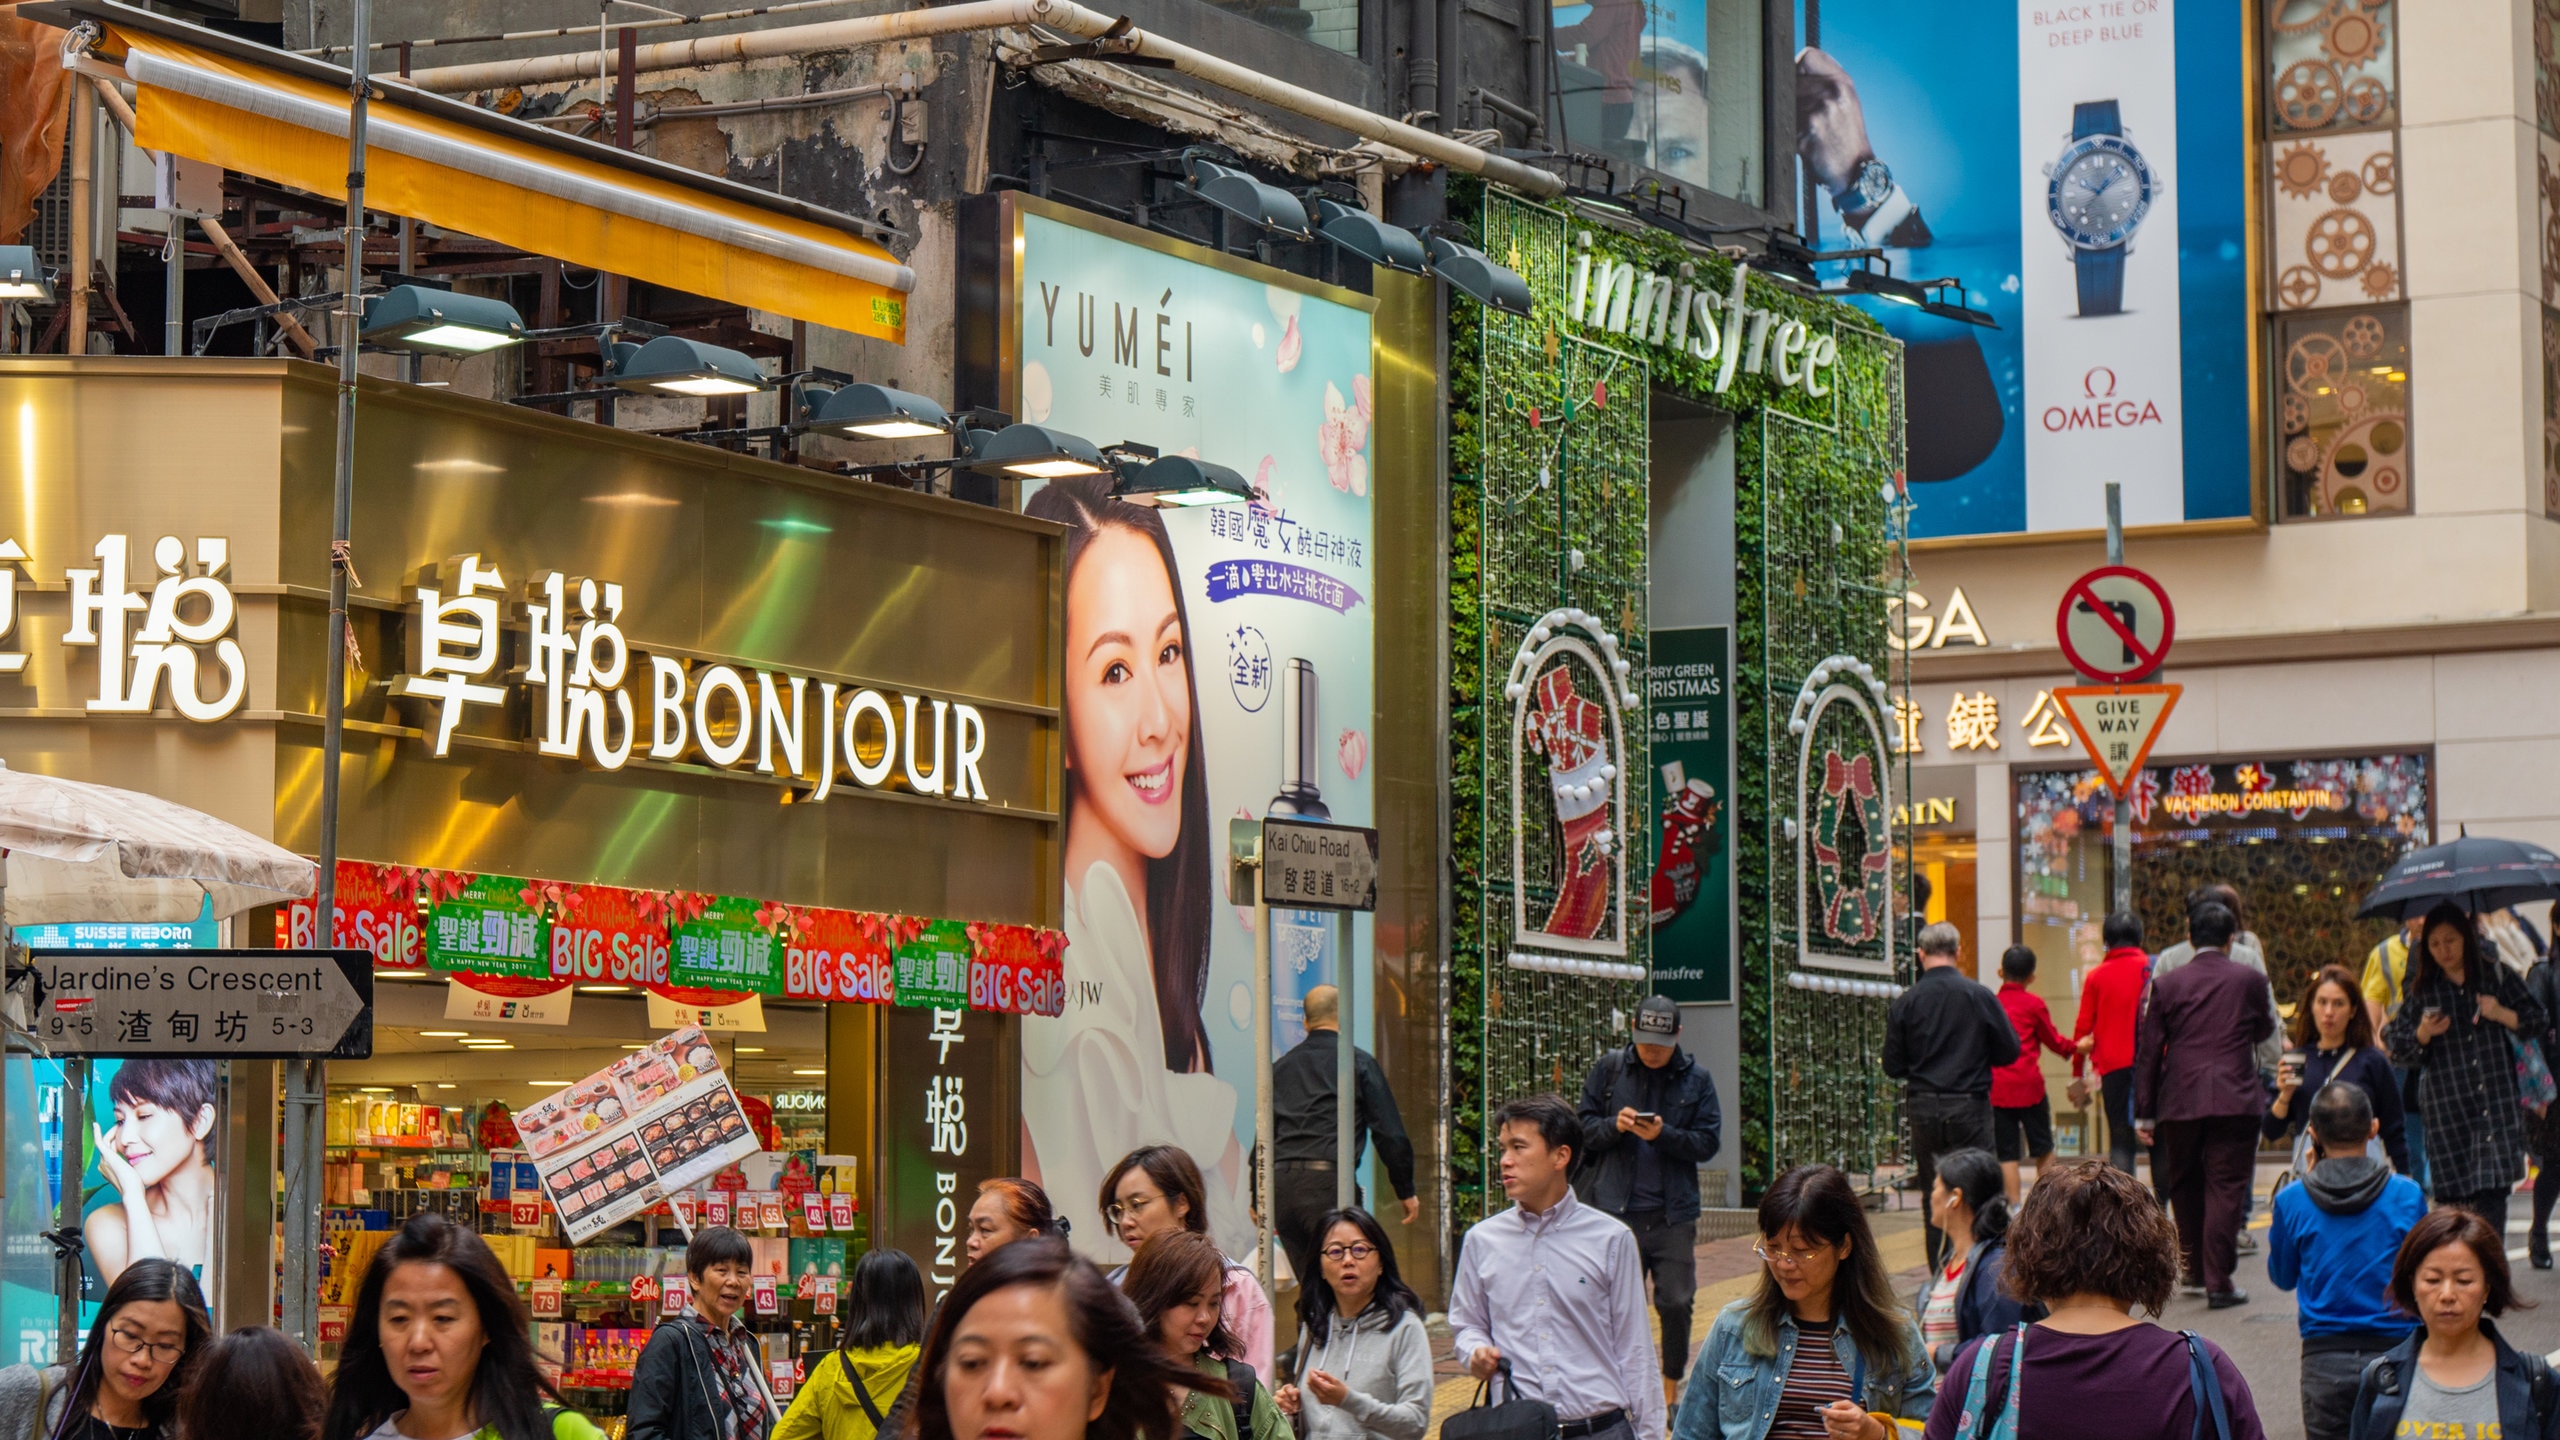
[(678, 366), (1180, 480), (1473, 273), (1370, 238), (442, 322), (1248, 199), (876, 412), (1036, 452), (22, 276)]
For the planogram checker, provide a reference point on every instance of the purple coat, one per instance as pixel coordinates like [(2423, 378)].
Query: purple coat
[(2194, 1051)]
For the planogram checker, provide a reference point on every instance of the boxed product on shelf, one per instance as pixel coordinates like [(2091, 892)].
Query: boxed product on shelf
[(815, 1257)]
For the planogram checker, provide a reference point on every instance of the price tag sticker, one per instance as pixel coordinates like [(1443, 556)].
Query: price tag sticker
[(687, 1207), (524, 1213), (678, 1293), (715, 1208), (813, 1207), (769, 1211), (333, 1324), (786, 1377), (546, 1298), (768, 1301), (840, 1210), (825, 1303)]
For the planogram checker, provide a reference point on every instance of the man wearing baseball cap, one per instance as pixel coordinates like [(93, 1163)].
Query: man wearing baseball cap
[(1649, 1120)]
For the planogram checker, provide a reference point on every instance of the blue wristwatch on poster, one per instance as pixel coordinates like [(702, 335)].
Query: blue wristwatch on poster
[(2096, 193)]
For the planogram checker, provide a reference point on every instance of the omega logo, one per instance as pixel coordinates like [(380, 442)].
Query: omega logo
[(2101, 409), (2089, 383)]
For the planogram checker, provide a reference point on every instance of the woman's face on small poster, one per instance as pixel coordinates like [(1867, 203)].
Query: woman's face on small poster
[(1128, 693)]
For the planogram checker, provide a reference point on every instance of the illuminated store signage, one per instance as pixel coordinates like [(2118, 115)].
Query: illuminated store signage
[(1675, 312), (175, 639), (593, 698)]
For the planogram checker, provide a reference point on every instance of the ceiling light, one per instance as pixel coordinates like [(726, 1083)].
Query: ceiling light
[(1370, 238), (381, 974), (635, 1047), (446, 1034), (417, 317), (376, 1089), (1180, 480), (750, 1049), (1246, 198), (603, 989), (679, 366), (876, 412), (1039, 453), (809, 1072), (445, 1085), (1473, 274), (22, 277), (554, 1084)]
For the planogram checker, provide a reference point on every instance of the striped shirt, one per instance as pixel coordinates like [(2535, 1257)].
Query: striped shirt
[(1815, 1379)]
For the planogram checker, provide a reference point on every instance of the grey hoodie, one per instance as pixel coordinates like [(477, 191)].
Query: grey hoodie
[(1385, 1365), (31, 1401)]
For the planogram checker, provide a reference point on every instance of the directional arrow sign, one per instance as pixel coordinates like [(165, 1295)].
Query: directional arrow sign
[(1319, 867), (208, 1004), (2117, 724)]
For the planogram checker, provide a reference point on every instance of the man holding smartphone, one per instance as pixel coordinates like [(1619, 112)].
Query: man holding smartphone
[(1649, 1120)]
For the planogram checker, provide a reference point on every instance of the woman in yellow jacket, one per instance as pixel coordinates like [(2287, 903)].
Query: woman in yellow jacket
[(859, 1391)]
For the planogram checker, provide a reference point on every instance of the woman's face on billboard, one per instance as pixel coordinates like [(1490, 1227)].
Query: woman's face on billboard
[(154, 1139), (1128, 693)]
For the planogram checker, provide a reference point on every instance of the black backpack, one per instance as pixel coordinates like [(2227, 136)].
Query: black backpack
[(1242, 1380)]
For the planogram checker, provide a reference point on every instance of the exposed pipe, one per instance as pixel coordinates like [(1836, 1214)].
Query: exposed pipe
[(114, 101), (1534, 15), (1422, 62), (1453, 60), (975, 15), (84, 135)]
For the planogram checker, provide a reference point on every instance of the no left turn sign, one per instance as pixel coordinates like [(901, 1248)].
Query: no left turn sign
[(2115, 624)]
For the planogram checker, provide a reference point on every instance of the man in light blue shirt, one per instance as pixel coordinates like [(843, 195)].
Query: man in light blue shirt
[(2333, 1240), (1556, 1288)]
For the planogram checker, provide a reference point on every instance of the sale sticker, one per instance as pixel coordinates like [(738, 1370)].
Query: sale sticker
[(768, 1299), (546, 1297)]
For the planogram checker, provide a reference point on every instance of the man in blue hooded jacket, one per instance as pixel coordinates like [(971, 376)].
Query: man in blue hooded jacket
[(1649, 1120), (2332, 1241)]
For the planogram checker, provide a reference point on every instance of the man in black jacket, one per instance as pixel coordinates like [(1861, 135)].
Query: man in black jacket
[(1942, 1039), (1303, 1117), (1649, 1120)]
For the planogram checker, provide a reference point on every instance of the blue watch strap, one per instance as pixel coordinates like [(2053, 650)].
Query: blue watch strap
[(2096, 117), (2101, 277)]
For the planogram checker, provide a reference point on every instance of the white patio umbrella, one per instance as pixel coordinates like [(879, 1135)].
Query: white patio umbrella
[(82, 852)]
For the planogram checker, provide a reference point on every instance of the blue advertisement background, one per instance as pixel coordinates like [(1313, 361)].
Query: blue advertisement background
[(1939, 88)]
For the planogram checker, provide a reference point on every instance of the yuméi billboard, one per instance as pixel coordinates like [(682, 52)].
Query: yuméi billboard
[(2081, 169), (1218, 664)]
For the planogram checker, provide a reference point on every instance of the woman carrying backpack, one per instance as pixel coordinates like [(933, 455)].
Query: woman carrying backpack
[(859, 1391), (2456, 1376), (1177, 1283), (1969, 1204), (2093, 1246)]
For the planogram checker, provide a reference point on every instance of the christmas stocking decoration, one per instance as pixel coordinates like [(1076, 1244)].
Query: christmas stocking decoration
[(1568, 730), (1682, 864)]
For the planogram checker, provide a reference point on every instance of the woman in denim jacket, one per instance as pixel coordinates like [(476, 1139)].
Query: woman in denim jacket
[(1824, 1350)]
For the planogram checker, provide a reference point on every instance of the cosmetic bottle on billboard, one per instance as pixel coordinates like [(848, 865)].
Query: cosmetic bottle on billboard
[(1301, 940)]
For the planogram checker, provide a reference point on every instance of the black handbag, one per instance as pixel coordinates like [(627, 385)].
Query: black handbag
[(1512, 1419)]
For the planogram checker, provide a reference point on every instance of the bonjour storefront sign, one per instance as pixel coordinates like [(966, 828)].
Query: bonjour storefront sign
[(166, 633)]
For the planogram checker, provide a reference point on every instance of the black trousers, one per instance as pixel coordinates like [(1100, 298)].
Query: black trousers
[(1302, 1196), (1941, 1123), (1670, 1256), (2203, 1169), (2115, 1090), (2489, 1205)]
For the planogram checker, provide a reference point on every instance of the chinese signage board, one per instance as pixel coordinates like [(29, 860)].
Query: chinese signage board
[(933, 968), (622, 1139), (946, 1108), (1688, 688), (208, 1004), (487, 925), (1319, 867), (1113, 333), (720, 943), (2085, 175)]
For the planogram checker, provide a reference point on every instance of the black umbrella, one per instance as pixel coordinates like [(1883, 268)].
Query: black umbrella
[(2475, 872)]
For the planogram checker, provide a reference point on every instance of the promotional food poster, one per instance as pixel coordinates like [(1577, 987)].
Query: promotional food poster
[(618, 1141), (1218, 666), (2084, 177)]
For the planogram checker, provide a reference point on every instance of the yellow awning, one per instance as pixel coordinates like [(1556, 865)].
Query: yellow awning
[(621, 213)]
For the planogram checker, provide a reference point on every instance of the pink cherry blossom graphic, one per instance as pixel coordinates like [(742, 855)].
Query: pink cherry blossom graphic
[(1360, 398), (1266, 498), (1341, 438), (1290, 345), (1354, 748)]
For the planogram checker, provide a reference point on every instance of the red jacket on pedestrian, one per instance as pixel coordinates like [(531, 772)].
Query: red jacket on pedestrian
[(2021, 1081), (2110, 1003)]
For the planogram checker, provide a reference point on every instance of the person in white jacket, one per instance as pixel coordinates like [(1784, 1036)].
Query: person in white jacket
[(1364, 1362)]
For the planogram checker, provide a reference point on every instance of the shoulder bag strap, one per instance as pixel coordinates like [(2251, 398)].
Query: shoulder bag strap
[(1995, 1403), (2208, 1389), (1242, 1380), (862, 1394)]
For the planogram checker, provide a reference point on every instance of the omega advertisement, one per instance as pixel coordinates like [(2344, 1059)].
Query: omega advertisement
[(2078, 165), (1218, 665)]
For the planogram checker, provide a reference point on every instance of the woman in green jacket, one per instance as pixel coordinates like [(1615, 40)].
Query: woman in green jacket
[(1177, 1282), (859, 1390)]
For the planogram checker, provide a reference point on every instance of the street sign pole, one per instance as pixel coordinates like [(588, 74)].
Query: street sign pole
[(2123, 903), (1345, 1153)]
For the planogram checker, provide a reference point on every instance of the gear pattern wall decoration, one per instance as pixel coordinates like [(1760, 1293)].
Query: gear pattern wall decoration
[(2344, 413), (2551, 412), (2546, 73), (2547, 210), (2334, 220), (2331, 65)]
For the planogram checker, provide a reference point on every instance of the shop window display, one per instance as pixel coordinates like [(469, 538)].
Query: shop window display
[(2303, 841), (2342, 410), (2331, 65)]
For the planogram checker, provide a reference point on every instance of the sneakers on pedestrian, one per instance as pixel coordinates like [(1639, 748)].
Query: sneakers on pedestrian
[(2190, 1285), (2226, 1299), (2248, 1243)]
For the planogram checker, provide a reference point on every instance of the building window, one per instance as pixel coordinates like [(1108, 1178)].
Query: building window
[(1667, 86), (2341, 379), (2331, 65)]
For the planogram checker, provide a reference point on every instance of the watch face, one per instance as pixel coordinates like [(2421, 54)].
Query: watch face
[(2101, 189)]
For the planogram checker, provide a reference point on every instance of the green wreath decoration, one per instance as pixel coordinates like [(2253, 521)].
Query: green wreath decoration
[(1852, 913)]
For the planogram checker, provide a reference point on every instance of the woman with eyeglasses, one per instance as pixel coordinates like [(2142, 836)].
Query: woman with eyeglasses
[(1175, 1284), (1823, 1351), (140, 1354), (1364, 1362), (1157, 1190)]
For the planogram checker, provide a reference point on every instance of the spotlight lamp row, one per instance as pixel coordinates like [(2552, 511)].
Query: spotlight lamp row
[(1026, 451), (1467, 270)]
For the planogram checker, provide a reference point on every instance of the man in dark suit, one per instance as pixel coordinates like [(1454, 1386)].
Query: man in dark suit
[(2196, 1099), (1942, 1039)]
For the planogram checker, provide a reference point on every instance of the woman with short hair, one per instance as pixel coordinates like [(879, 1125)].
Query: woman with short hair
[(1176, 1282), (1010, 1208), (701, 1377), (2455, 1375), (253, 1384), (2092, 1245), (1364, 1360)]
